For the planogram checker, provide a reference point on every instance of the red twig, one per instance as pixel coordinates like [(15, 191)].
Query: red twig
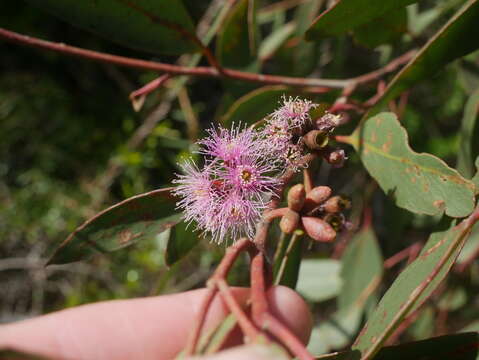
[(148, 88), (275, 327), (221, 271), (401, 255), (258, 288), (203, 71), (245, 324)]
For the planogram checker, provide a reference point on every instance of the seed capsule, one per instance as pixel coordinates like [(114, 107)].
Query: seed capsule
[(316, 196), (289, 222), (336, 204), (316, 139), (318, 229), (296, 197)]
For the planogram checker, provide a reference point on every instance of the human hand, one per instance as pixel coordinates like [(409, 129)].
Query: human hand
[(146, 328)]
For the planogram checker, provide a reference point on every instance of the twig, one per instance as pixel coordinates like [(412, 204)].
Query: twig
[(284, 261), (308, 180), (276, 328), (401, 255), (204, 71), (148, 88), (221, 271)]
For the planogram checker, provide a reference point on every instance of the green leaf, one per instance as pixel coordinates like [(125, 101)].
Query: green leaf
[(386, 29), (255, 105), (130, 221), (319, 279), (413, 286), (336, 332), (468, 124), (420, 183), (455, 39), (457, 346), (236, 44), (159, 27), (347, 15), (181, 241), (11, 354), (361, 270)]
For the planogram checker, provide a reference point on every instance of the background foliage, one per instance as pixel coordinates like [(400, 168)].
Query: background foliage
[(71, 144)]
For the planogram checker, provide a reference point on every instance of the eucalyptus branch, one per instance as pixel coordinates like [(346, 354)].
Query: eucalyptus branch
[(213, 72)]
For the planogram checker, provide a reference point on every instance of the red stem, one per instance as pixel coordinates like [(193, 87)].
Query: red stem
[(152, 85), (220, 274), (204, 71), (275, 327), (400, 256)]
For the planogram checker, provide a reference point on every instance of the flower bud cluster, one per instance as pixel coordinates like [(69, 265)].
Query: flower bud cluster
[(317, 212)]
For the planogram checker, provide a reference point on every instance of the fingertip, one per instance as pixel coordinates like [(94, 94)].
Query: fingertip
[(292, 310)]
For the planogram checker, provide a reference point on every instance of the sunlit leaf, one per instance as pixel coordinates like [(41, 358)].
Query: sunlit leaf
[(361, 269), (319, 279), (421, 183), (413, 286), (130, 221), (346, 15), (161, 26)]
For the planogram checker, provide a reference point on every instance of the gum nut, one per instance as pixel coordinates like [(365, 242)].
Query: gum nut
[(289, 222), (336, 204), (318, 229), (296, 196), (319, 194)]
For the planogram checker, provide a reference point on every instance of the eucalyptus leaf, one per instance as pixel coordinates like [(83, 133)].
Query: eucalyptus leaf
[(361, 269), (319, 279), (130, 221), (346, 15), (421, 183), (413, 286), (159, 27)]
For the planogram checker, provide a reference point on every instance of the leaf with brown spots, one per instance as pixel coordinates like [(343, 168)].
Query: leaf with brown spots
[(421, 183), (414, 286), (140, 217)]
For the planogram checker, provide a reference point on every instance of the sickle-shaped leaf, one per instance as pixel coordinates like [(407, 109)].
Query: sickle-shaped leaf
[(457, 38), (421, 183), (456, 346), (346, 15), (159, 27), (137, 218), (413, 286)]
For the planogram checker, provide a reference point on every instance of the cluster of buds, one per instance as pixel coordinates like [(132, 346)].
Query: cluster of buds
[(317, 212), (318, 139)]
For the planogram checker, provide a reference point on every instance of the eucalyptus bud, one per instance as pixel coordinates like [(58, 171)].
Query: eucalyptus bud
[(316, 139), (318, 229), (336, 204), (296, 197), (316, 196), (336, 158), (289, 222), (328, 122)]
